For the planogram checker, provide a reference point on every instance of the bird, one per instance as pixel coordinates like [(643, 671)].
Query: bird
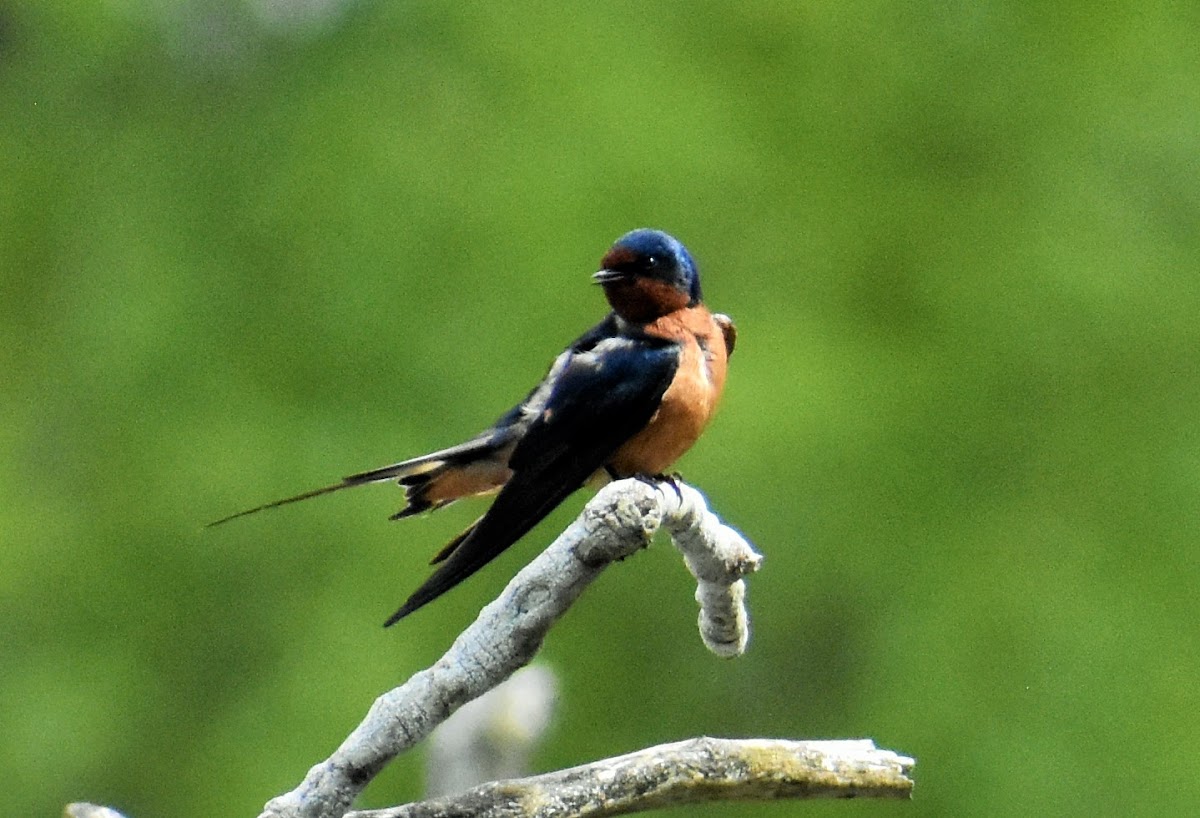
[(626, 399)]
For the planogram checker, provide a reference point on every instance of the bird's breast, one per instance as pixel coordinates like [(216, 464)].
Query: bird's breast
[(689, 402)]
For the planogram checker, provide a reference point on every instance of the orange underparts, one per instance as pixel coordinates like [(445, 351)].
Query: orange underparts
[(691, 399)]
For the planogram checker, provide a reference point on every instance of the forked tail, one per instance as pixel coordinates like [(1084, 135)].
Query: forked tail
[(479, 466)]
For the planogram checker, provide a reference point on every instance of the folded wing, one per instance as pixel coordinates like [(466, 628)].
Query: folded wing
[(600, 397)]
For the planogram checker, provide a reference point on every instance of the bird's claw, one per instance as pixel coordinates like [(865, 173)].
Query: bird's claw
[(673, 480)]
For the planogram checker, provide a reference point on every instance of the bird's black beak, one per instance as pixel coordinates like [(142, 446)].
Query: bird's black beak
[(609, 276)]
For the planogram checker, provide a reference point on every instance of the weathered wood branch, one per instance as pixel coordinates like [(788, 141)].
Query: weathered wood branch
[(672, 775), (686, 772), (618, 522)]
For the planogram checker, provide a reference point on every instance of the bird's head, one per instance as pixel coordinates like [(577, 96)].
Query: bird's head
[(647, 274)]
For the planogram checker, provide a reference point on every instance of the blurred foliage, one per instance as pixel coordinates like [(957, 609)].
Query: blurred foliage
[(248, 247)]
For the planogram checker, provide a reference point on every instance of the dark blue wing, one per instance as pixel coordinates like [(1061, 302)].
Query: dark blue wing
[(604, 393)]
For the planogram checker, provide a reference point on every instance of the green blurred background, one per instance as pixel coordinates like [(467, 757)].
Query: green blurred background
[(249, 246)]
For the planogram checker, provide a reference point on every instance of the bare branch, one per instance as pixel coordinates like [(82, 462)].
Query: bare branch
[(718, 558), (508, 632), (687, 772)]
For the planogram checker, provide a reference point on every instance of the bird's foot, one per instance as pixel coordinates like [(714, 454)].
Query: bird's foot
[(673, 480)]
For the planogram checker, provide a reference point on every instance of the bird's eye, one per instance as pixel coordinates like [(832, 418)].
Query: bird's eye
[(652, 261)]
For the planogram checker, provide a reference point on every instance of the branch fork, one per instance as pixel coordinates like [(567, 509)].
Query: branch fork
[(619, 521)]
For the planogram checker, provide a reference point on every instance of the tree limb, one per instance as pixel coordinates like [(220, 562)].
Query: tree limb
[(506, 635), (686, 772), (620, 520)]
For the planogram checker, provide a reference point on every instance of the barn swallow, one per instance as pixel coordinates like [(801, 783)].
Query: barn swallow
[(626, 399)]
